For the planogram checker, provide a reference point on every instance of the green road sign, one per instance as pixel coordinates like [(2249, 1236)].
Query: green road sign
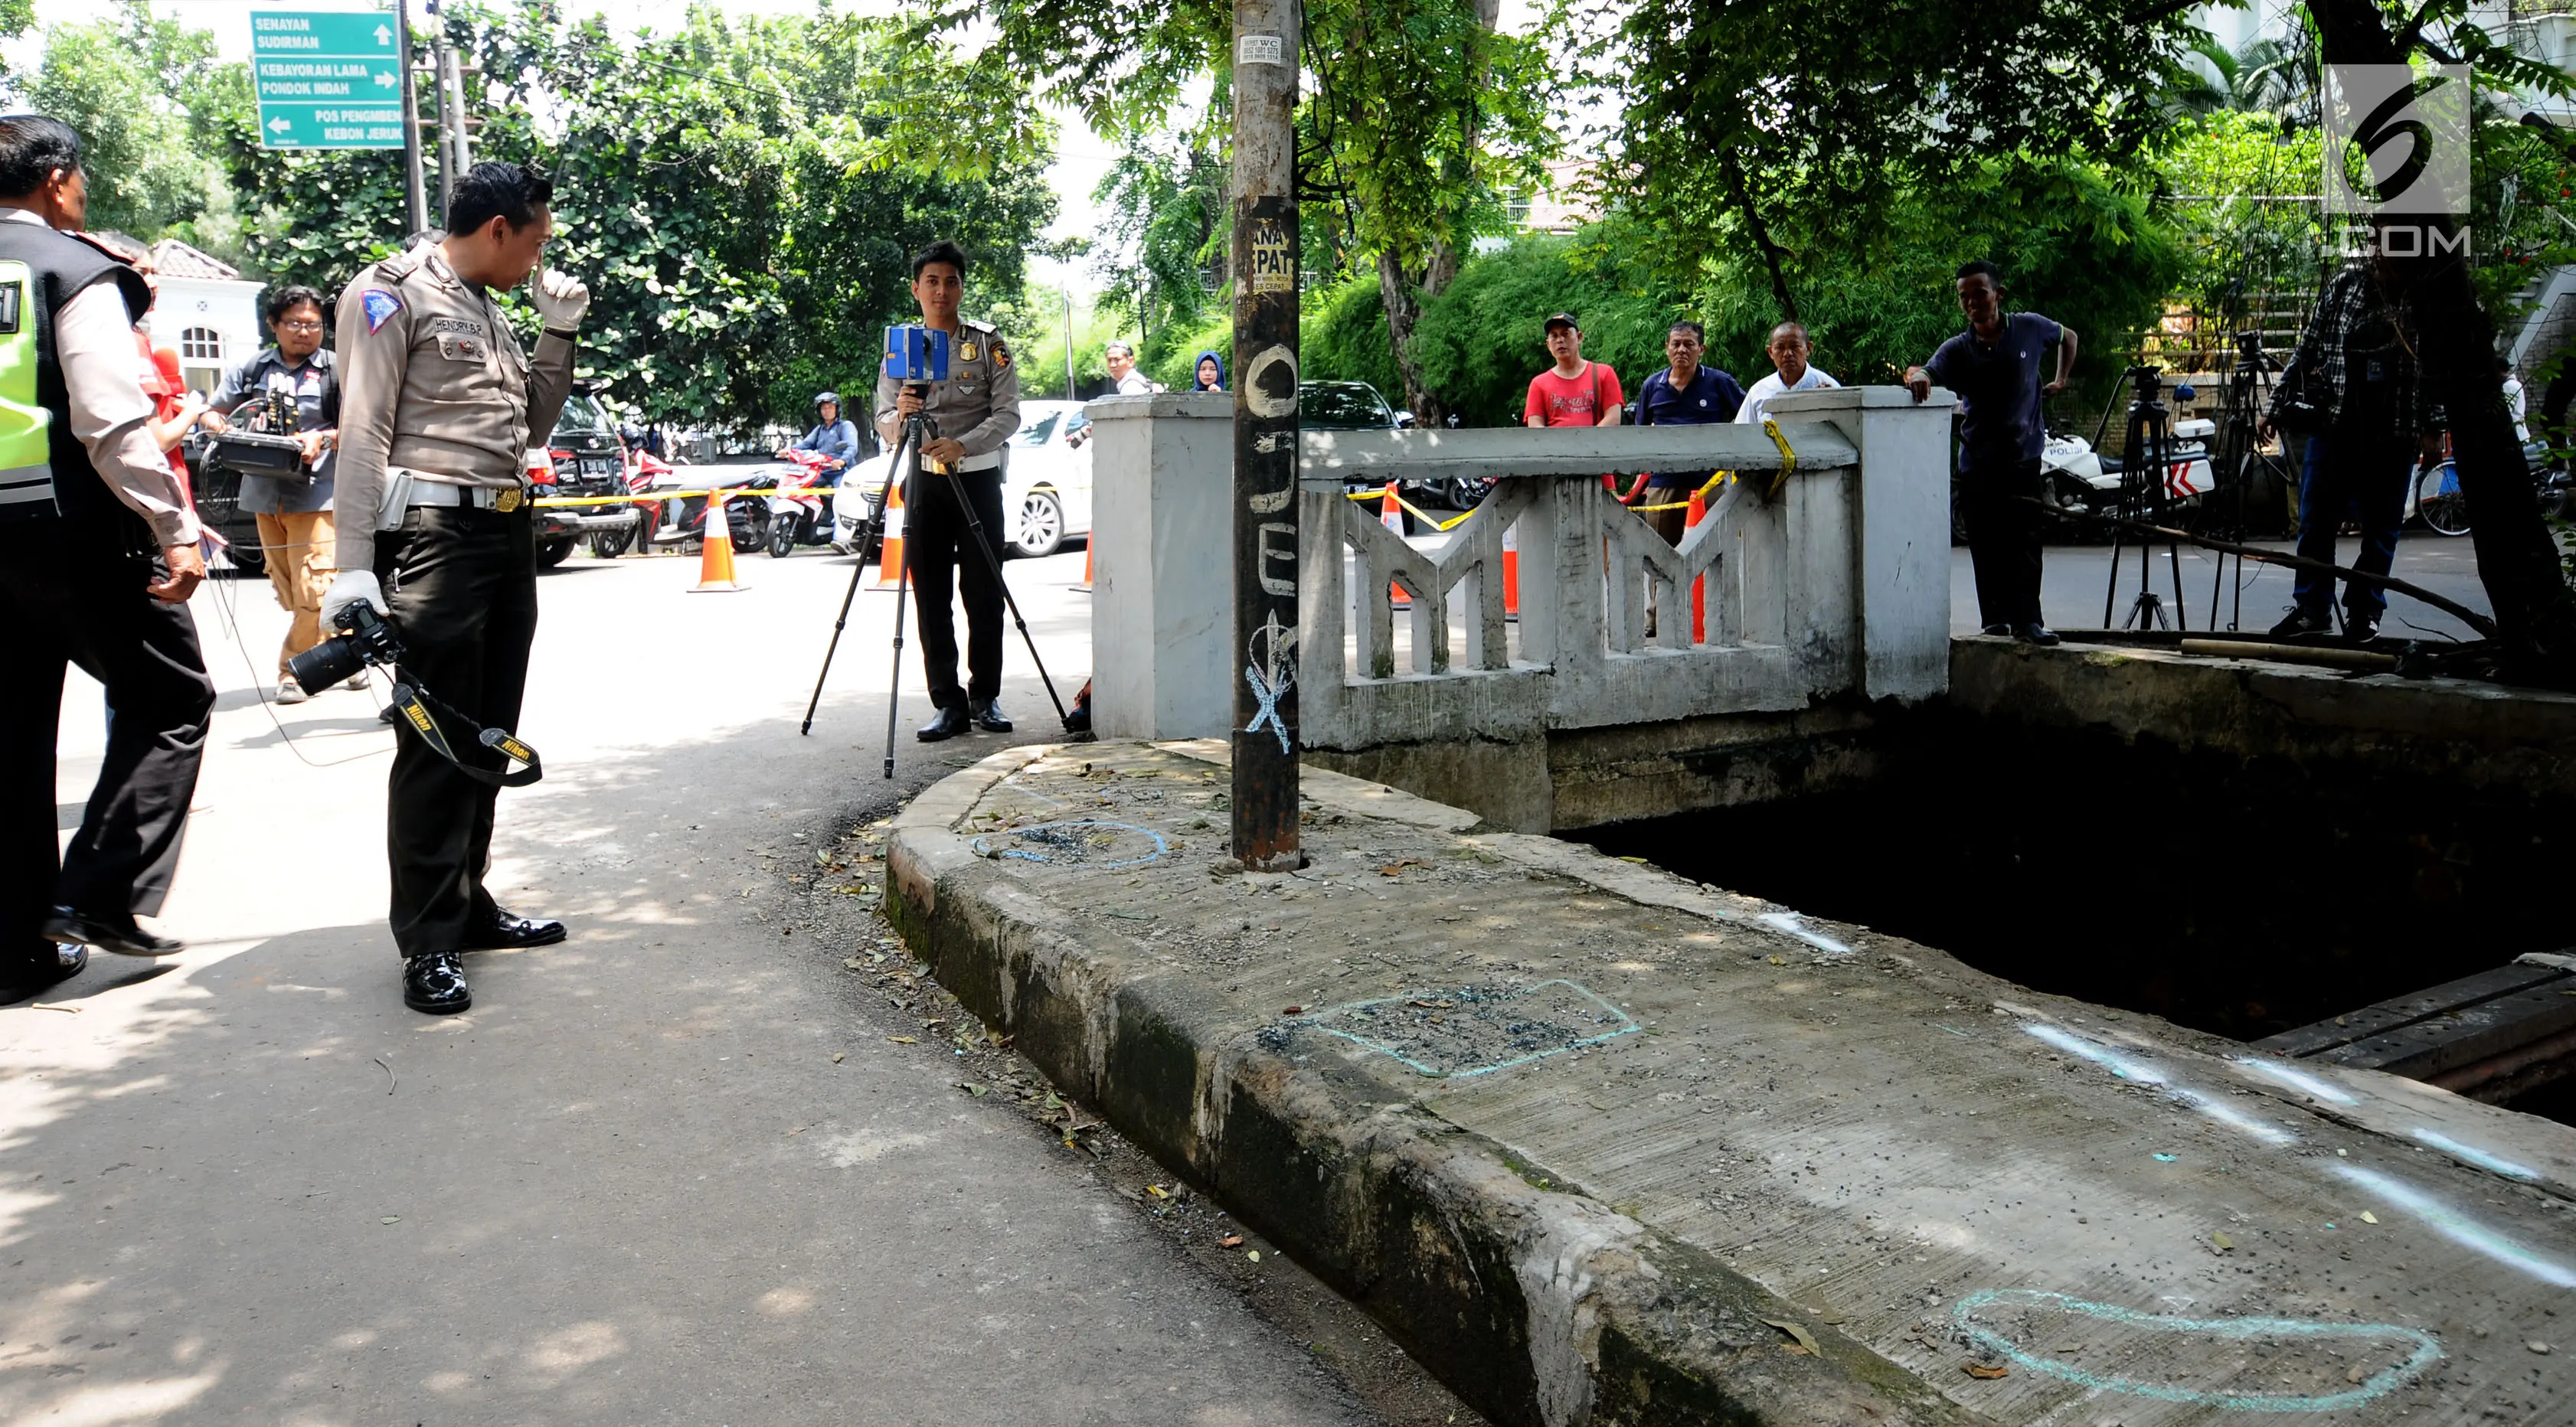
[(327, 79)]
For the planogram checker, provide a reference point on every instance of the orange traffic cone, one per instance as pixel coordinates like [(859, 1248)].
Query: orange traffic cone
[(715, 551), (890, 545), (1391, 515), (1512, 572), (1699, 588), (1085, 586)]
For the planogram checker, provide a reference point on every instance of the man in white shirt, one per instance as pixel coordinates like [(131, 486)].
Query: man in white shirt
[(1789, 350), (98, 555), (1120, 359)]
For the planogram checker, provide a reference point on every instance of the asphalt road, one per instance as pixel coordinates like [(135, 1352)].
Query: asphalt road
[(2075, 577), (675, 1170)]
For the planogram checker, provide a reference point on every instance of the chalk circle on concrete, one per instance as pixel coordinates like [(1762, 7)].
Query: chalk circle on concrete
[(1082, 842), (2320, 1367), (1475, 1030)]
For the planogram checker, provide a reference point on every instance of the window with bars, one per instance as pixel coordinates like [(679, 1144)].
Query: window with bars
[(201, 344)]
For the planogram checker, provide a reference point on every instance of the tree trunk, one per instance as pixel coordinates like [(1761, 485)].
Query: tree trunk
[(1761, 234), (1403, 301), (2518, 558)]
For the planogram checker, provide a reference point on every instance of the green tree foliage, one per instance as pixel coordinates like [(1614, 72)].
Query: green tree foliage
[(1421, 117), (1167, 229), (743, 195), (125, 86)]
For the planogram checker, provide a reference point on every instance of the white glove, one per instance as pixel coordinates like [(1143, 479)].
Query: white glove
[(351, 587), (560, 299)]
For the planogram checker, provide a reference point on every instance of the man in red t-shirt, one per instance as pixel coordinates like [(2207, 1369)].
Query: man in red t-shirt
[(1574, 392)]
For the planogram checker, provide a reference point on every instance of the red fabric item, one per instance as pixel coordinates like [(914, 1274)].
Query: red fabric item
[(1572, 401)]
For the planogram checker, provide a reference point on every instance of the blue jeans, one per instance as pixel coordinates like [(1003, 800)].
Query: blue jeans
[(2367, 477)]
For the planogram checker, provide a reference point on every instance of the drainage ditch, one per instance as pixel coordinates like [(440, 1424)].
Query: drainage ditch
[(2248, 898)]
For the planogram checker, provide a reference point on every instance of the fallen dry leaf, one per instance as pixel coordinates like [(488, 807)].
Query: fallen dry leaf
[(838, 1056), (905, 1040), (1806, 1340), (2369, 1218), (2225, 1244), (1396, 868), (1988, 1370), (1230, 1241)]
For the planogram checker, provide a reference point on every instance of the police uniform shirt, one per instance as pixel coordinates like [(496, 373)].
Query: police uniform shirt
[(978, 407), (314, 387), (433, 382)]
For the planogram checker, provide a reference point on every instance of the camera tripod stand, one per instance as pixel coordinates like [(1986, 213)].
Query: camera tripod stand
[(2237, 457), (2147, 457), (906, 467)]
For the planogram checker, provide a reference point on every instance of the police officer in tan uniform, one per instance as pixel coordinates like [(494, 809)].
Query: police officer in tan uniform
[(977, 410), (439, 405)]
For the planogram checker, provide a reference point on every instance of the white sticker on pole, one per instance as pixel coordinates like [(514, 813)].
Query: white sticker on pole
[(1256, 49)]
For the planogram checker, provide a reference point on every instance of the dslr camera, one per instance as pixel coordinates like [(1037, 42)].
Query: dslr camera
[(364, 639)]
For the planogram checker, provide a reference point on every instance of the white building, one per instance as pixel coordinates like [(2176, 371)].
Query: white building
[(206, 310)]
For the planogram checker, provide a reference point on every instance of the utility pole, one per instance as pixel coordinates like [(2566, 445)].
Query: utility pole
[(415, 184), (455, 149), (1265, 435)]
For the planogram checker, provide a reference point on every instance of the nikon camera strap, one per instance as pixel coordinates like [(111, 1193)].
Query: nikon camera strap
[(423, 711)]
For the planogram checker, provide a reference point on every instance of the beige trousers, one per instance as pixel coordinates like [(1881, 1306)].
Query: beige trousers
[(301, 563)]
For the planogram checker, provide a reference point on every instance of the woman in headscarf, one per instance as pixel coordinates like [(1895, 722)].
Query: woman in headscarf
[(1210, 373)]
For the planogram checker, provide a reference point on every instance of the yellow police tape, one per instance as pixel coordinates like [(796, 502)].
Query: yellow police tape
[(1714, 481), (1788, 458)]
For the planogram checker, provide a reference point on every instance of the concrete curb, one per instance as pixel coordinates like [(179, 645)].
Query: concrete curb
[(1540, 1307)]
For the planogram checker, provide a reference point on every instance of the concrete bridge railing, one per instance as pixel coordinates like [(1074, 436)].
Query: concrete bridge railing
[(1831, 579)]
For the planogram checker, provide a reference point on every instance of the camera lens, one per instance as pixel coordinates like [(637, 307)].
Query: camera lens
[(330, 662)]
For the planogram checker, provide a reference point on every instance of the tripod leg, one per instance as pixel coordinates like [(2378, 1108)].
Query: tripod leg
[(894, 680), (993, 562), (2111, 591), (2182, 615), (858, 571)]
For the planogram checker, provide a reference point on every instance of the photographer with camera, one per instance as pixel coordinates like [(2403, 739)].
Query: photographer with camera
[(439, 407), (296, 539), (975, 411), (98, 556), (1994, 368), (2354, 388)]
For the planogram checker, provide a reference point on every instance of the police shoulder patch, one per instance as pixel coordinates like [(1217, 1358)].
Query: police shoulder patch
[(380, 307), (1001, 353)]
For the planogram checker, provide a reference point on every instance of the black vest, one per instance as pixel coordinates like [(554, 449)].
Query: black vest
[(61, 268)]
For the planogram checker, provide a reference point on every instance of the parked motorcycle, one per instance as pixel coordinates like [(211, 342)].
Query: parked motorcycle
[(798, 513)]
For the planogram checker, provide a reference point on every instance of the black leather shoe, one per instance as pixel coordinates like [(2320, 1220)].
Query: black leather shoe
[(1996, 629), (949, 724), (116, 934), (50, 964), (2361, 628), (502, 931), (435, 984), (989, 717), (2036, 633)]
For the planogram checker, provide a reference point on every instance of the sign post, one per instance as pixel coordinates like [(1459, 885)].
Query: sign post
[(1265, 436), (338, 79)]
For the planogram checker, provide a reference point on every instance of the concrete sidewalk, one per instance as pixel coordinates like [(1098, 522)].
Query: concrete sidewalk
[(1597, 1144)]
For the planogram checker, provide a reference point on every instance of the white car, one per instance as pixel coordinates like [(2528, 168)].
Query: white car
[(1046, 483)]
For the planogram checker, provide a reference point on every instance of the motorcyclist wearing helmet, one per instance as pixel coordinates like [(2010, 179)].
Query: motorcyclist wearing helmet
[(832, 435)]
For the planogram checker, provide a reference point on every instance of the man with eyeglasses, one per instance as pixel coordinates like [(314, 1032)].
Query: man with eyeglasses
[(296, 538)]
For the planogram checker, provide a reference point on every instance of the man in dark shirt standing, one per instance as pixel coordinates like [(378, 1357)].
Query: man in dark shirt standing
[(1685, 393), (1994, 369)]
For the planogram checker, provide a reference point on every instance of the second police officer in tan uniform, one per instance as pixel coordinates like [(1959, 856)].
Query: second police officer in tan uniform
[(977, 410), (439, 405)]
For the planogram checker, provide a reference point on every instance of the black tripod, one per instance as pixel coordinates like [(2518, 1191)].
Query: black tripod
[(906, 466), (2239, 454), (2146, 460)]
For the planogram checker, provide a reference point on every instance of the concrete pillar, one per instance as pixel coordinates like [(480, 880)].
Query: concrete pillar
[(1901, 517), (1162, 591)]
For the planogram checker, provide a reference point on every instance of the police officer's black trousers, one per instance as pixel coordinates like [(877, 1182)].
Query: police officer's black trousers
[(466, 608), (2003, 541), (69, 600), (943, 556)]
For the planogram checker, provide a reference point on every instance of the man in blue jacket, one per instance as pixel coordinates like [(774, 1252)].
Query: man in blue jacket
[(832, 435)]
